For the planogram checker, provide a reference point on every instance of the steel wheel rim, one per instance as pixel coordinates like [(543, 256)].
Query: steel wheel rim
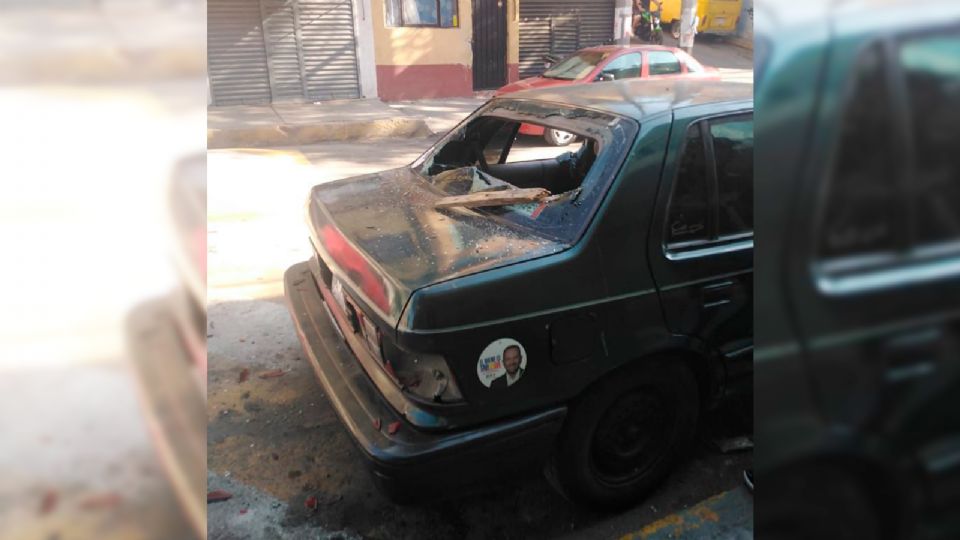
[(631, 437)]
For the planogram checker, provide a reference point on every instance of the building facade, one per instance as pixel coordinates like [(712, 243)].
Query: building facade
[(264, 51)]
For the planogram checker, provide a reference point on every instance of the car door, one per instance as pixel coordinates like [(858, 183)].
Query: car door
[(701, 242), (661, 64), (874, 272), (625, 66)]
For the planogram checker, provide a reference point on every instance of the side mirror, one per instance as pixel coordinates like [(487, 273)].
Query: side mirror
[(606, 77), (549, 60)]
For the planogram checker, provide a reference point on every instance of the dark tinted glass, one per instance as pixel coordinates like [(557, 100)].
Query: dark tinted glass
[(663, 63), (503, 136), (932, 69), (863, 211), (687, 219), (448, 13), (733, 150)]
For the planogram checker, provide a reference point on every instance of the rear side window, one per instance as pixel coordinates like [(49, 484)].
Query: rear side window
[(862, 213), (663, 63), (687, 220), (895, 182), (712, 198), (733, 154), (931, 68)]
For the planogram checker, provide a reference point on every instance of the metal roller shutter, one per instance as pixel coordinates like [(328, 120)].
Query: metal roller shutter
[(329, 49), (236, 58), (283, 54), (260, 51), (560, 27)]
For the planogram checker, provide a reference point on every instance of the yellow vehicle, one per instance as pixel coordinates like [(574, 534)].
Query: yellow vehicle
[(716, 16)]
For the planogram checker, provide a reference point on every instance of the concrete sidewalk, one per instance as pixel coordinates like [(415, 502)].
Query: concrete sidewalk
[(106, 42), (294, 124)]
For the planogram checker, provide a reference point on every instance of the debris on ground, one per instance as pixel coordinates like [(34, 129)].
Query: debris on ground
[(244, 375), (311, 503), (272, 374), (733, 444), (49, 501), (100, 501), (218, 495)]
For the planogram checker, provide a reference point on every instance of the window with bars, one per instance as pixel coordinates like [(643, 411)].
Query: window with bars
[(419, 13)]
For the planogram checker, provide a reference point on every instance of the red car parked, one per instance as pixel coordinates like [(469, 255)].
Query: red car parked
[(608, 63)]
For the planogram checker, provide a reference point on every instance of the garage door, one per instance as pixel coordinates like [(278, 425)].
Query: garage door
[(281, 50), (560, 27), (236, 57)]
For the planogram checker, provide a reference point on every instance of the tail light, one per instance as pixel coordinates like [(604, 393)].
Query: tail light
[(425, 376)]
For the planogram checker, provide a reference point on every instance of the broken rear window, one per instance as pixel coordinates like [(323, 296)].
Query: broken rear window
[(498, 163)]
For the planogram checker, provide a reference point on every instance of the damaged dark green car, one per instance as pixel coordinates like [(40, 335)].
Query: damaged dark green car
[(477, 312)]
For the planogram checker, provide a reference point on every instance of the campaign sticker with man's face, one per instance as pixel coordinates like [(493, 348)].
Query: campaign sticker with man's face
[(502, 363)]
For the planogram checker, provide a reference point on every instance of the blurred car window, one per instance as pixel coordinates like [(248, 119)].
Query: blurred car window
[(503, 136), (663, 63), (931, 67), (575, 67), (625, 67), (688, 205), (733, 151), (863, 205)]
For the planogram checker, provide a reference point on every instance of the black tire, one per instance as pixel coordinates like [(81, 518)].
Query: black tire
[(675, 30), (658, 38), (624, 435), (556, 137)]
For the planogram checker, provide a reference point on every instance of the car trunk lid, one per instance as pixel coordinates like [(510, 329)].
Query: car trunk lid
[(381, 236)]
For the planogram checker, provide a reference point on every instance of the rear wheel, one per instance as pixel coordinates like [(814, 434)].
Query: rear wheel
[(675, 30), (623, 436), (555, 137)]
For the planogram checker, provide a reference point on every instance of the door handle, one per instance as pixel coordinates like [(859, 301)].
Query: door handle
[(911, 355), (716, 294), (718, 285)]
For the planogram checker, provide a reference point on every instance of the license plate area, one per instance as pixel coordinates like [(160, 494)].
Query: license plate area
[(346, 307), (359, 324)]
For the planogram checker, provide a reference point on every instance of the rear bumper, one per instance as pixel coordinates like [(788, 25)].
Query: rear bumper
[(410, 463), (173, 400)]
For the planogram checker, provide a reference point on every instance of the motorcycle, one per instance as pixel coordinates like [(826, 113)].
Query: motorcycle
[(648, 28)]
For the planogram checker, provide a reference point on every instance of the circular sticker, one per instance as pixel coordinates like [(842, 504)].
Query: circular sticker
[(502, 363)]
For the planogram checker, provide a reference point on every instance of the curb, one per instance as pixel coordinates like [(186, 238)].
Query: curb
[(301, 134), (103, 64), (743, 43), (724, 516)]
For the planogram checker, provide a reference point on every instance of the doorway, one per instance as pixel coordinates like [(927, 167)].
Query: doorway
[(489, 44)]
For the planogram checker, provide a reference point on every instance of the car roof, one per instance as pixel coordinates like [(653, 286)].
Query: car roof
[(642, 47), (641, 98)]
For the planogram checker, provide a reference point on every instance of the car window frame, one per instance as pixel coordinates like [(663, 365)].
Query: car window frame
[(624, 131), (680, 64), (714, 244), (603, 67), (910, 264)]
